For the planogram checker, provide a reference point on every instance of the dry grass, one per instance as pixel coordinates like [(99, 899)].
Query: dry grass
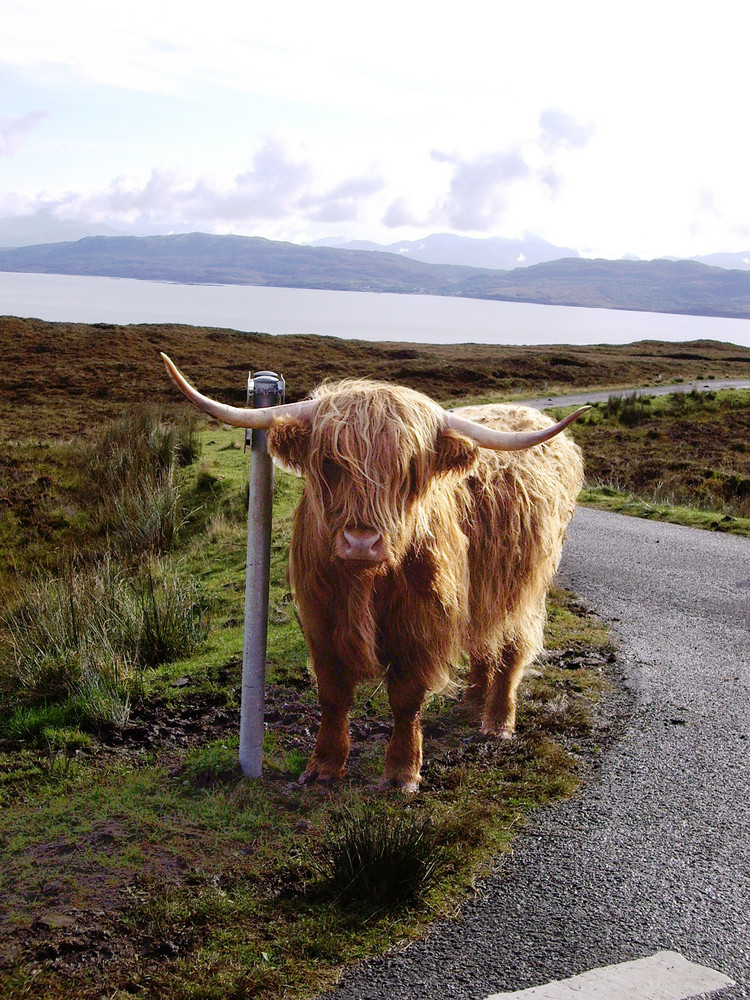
[(60, 378)]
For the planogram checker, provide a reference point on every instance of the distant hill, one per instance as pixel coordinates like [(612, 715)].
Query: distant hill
[(656, 286), (446, 248), (679, 286), (239, 260)]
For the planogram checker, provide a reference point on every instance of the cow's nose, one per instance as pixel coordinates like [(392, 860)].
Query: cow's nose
[(360, 544)]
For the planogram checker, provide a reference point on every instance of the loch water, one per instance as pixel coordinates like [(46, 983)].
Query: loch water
[(369, 316)]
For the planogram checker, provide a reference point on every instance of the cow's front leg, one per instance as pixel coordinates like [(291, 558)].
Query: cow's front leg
[(335, 695), (403, 758)]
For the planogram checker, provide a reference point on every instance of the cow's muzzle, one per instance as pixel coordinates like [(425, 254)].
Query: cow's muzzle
[(361, 544)]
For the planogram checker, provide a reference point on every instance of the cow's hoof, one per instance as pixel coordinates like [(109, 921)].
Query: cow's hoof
[(316, 777), (408, 786), (498, 730)]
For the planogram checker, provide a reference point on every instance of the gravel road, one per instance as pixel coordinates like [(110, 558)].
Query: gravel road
[(654, 853), (581, 398)]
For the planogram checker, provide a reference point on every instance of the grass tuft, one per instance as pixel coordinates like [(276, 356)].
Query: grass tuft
[(212, 766), (141, 441), (128, 467), (36, 723), (78, 645), (376, 860)]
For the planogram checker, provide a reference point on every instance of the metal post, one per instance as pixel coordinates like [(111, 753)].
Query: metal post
[(267, 389)]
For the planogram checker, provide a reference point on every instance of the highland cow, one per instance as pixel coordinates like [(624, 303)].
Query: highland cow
[(422, 535)]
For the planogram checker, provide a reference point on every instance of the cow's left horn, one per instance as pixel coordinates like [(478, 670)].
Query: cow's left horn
[(489, 437), (239, 416)]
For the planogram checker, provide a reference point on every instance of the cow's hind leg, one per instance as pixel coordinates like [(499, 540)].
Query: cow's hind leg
[(515, 657), (403, 758), (335, 694), (481, 671), (522, 641), (499, 714)]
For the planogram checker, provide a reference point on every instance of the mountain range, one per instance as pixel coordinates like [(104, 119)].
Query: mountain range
[(495, 252), (679, 286), (501, 253)]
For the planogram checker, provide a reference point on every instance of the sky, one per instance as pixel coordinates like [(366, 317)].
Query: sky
[(612, 129)]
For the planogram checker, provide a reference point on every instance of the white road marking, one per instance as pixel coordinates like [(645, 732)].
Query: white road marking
[(664, 976)]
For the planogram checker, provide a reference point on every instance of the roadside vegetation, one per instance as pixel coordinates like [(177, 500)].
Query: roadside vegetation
[(136, 861), (683, 457)]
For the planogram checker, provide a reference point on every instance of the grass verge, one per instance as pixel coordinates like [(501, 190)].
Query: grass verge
[(621, 502)]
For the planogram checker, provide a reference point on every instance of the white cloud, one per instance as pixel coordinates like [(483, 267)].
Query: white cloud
[(14, 128), (279, 186), (570, 120), (559, 129), (398, 215), (344, 202), (480, 188)]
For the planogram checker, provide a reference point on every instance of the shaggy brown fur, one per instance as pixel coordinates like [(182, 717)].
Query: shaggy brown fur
[(471, 537)]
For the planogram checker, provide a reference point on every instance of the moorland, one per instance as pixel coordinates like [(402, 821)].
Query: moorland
[(136, 861), (59, 379)]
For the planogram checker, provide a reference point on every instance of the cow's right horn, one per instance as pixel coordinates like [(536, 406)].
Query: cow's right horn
[(490, 437), (239, 416)]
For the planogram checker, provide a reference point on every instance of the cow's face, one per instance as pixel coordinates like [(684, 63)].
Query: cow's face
[(372, 456)]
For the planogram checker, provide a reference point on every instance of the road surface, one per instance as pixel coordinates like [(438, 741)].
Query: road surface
[(581, 398), (654, 853)]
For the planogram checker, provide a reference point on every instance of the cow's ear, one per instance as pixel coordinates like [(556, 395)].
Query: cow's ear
[(289, 443), (455, 453)]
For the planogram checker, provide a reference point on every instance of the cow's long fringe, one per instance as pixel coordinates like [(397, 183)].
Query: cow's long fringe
[(383, 438)]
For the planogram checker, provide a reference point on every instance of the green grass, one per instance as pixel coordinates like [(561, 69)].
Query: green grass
[(621, 502), (93, 604), (223, 886), (80, 644), (213, 765)]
